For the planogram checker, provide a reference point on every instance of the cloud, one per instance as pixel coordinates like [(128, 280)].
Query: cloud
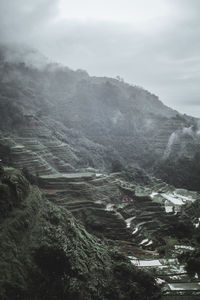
[(20, 20), (154, 44)]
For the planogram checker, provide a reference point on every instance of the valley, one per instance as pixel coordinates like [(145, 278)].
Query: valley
[(100, 178)]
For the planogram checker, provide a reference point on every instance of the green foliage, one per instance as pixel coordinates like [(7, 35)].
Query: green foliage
[(13, 189), (182, 173), (5, 200), (181, 229), (45, 254), (116, 166), (192, 261), (52, 261), (10, 113)]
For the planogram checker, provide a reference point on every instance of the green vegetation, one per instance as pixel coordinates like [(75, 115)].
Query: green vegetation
[(192, 261), (182, 173), (46, 254), (13, 188), (11, 114)]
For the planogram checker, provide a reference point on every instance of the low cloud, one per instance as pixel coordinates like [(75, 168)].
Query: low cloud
[(162, 57)]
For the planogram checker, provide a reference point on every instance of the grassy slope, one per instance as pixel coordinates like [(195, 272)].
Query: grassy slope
[(46, 254)]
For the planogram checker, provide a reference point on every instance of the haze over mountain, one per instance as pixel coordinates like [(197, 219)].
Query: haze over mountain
[(154, 44), (129, 124), (95, 183), (99, 150)]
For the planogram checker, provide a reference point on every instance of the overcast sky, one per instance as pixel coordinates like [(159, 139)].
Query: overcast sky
[(151, 43)]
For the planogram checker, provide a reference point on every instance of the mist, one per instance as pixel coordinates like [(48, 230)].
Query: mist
[(99, 149), (154, 45)]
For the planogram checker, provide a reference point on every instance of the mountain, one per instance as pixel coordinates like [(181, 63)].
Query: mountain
[(93, 178), (46, 254), (103, 121)]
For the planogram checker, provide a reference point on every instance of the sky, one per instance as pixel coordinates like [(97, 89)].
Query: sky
[(154, 44)]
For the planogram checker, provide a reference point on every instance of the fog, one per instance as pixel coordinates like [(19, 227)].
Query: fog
[(154, 44)]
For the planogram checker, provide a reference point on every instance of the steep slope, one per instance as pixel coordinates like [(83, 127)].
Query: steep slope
[(65, 130), (104, 110), (46, 254), (100, 121)]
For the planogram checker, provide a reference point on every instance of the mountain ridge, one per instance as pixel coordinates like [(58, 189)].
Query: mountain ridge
[(117, 117)]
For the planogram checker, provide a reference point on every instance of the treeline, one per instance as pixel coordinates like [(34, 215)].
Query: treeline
[(183, 173)]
